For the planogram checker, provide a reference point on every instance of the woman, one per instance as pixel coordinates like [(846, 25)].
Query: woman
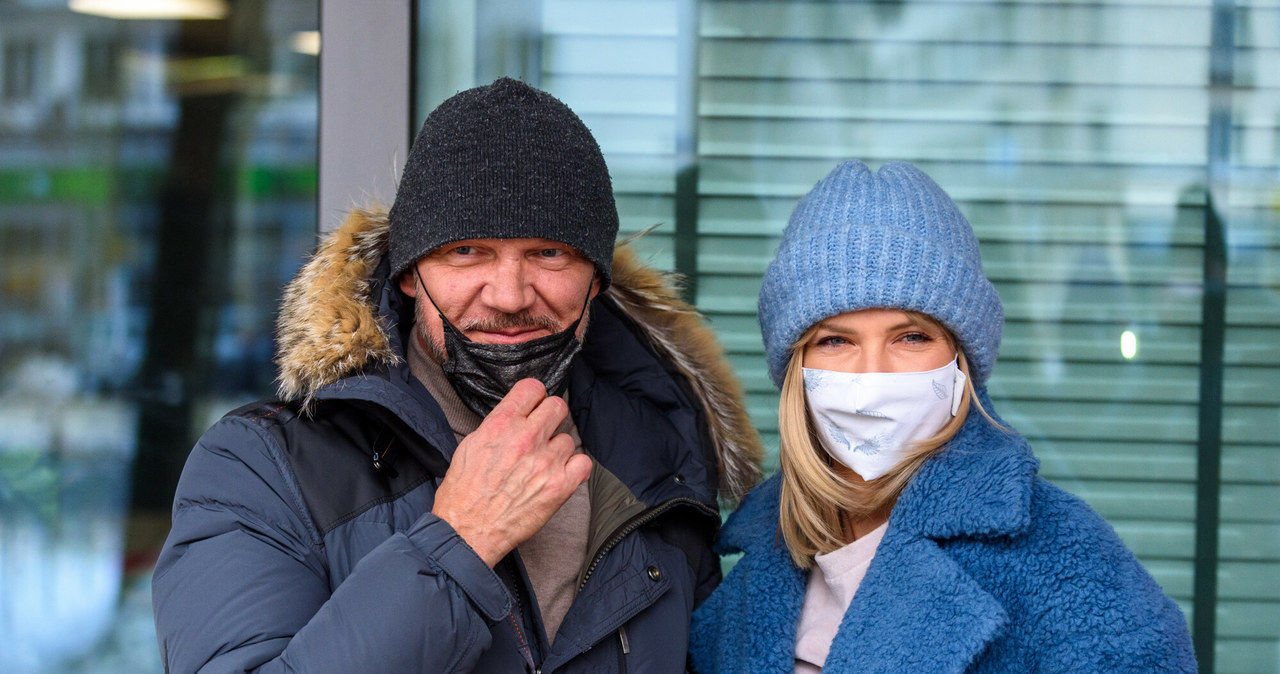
[(907, 530)]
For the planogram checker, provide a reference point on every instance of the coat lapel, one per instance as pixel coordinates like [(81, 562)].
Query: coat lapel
[(773, 608), (917, 611), (749, 623)]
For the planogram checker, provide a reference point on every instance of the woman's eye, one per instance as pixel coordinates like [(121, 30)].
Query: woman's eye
[(916, 338), (832, 340)]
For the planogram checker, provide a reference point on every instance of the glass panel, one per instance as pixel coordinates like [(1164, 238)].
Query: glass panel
[(1083, 192), (1249, 547), (1077, 138), (157, 187)]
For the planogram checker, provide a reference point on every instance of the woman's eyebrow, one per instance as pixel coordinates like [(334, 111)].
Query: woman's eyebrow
[(829, 326), (909, 323)]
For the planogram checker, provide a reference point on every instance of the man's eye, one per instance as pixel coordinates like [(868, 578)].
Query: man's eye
[(551, 252), (465, 250)]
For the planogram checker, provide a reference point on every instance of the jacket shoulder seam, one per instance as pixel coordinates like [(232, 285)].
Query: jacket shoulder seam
[(281, 463), (369, 505), (242, 511)]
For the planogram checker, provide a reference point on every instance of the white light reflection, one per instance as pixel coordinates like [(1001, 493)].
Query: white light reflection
[(306, 42), (152, 9), (1128, 344)]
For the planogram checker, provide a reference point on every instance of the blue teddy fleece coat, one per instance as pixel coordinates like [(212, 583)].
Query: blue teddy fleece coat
[(985, 567)]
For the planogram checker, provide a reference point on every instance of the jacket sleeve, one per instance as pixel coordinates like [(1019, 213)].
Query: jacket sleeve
[(1140, 630), (1160, 644), (1097, 608), (242, 582)]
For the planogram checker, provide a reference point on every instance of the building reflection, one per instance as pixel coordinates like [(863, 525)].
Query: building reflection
[(157, 187)]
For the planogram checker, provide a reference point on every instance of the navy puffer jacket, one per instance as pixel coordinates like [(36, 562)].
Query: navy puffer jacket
[(302, 537)]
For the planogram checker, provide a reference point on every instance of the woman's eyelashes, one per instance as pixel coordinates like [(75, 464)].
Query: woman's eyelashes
[(917, 338)]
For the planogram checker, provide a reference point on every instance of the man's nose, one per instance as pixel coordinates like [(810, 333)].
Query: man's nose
[(508, 290)]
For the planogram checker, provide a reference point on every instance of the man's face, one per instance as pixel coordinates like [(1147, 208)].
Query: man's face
[(500, 291)]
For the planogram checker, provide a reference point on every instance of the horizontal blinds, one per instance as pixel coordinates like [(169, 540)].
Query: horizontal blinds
[(1248, 589), (614, 63), (1249, 547), (1075, 137)]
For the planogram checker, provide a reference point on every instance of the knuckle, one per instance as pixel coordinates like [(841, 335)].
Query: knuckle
[(531, 386), (498, 419), (557, 405)]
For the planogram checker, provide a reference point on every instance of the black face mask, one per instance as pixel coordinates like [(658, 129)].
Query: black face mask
[(482, 374)]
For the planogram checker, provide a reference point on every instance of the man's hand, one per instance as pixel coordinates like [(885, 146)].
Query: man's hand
[(512, 474)]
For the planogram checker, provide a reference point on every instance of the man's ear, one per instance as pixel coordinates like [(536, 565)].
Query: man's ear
[(409, 282), (595, 286)]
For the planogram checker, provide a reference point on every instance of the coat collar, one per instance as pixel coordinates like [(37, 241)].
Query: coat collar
[(916, 610), (978, 486)]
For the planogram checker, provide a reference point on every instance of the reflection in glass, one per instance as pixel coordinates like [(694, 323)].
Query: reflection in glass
[(157, 187), (1094, 152)]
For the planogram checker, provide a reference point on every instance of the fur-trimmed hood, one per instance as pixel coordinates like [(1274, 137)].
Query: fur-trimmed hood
[(329, 328)]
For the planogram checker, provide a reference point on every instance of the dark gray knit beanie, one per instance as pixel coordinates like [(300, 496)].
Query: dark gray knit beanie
[(504, 161)]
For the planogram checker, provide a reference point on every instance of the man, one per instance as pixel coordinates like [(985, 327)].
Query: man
[(461, 475)]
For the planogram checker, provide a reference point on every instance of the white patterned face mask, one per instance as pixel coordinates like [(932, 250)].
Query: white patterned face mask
[(868, 420)]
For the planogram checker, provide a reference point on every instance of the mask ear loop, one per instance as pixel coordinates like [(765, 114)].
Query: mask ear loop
[(585, 302), (957, 388), (418, 330), (422, 284)]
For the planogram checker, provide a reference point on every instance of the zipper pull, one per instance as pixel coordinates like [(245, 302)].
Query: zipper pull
[(380, 463), (622, 637)]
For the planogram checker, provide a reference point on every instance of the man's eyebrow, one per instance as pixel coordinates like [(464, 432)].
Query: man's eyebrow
[(453, 245)]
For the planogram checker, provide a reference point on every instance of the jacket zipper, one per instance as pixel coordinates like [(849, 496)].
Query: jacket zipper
[(517, 594), (639, 521), (624, 650)]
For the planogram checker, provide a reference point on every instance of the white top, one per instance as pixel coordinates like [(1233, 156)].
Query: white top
[(833, 581)]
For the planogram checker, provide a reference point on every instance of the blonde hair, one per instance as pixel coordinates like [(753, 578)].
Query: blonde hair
[(815, 497)]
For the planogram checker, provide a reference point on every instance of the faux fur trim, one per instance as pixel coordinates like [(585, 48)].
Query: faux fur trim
[(678, 332), (329, 329)]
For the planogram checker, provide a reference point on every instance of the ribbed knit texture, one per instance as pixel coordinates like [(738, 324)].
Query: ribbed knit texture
[(890, 239), (504, 161)]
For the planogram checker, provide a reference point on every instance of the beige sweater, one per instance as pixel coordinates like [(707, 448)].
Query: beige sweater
[(554, 555)]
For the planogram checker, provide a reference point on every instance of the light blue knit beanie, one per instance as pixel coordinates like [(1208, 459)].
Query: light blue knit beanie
[(890, 239)]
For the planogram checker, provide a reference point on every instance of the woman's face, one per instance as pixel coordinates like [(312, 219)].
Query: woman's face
[(878, 340)]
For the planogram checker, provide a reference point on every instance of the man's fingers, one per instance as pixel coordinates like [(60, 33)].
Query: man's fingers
[(560, 445), (548, 415), (577, 469), (522, 398)]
